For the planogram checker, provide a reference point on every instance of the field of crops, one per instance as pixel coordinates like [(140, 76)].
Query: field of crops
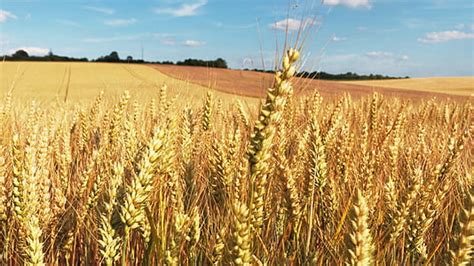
[(49, 82), (151, 178), (254, 84), (450, 85)]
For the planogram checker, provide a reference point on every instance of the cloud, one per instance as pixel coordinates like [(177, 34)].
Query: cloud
[(292, 24), (445, 36), (362, 28), (31, 50), (349, 3), (4, 15), (184, 10), (193, 43), (172, 39), (338, 39), (111, 39), (386, 56), (378, 54), (103, 10), (120, 22)]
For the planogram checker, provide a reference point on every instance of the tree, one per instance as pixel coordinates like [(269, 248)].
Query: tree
[(113, 57), (20, 54), (129, 58), (221, 63)]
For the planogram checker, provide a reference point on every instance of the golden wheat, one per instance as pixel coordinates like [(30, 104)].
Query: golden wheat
[(166, 181)]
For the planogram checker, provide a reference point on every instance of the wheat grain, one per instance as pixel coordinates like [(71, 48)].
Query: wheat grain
[(359, 241)]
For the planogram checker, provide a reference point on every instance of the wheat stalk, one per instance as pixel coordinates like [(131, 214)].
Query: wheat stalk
[(359, 240)]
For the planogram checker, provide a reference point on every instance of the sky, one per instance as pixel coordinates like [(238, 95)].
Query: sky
[(392, 37)]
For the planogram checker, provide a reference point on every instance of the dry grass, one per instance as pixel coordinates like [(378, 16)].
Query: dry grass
[(450, 85), (300, 180)]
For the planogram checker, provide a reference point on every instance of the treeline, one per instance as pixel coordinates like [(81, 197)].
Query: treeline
[(329, 76), (219, 63), (113, 57), (345, 76), (22, 55)]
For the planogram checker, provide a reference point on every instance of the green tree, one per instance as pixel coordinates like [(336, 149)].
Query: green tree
[(20, 54), (221, 63), (114, 57)]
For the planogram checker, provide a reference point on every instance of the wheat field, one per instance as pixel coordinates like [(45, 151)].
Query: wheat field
[(295, 180), (79, 83), (449, 85)]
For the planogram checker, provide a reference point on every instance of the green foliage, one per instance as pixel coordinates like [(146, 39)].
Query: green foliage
[(328, 76), (22, 55), (345, 76), (112, 57), (219, 63)]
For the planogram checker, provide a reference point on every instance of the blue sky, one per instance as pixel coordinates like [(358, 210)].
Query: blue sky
[(393, 37)]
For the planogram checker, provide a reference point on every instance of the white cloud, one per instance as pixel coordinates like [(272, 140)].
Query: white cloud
[(31, 50), (378, 54), (103, 10), (111, 39), (404, 57), (349, 3), (338, 39), (386, 56), (4, 15), (292, 24), (193, 43), (445, 36), (184, 10), (120, 22)]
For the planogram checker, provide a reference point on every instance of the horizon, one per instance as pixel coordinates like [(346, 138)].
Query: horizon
[(433, 38)]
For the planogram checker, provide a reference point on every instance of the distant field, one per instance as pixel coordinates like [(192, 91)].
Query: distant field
[(451, 85), (254, 84), (49, 81)]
